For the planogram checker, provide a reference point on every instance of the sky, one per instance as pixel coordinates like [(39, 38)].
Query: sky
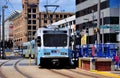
[(64, 5)]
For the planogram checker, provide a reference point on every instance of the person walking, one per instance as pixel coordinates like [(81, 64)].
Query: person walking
[(116, 58)]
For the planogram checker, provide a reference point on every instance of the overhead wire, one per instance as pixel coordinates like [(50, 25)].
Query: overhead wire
[(55, 1), (12, 9), (11, 5)]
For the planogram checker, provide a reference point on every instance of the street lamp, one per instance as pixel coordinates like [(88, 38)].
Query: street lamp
[(3, 33)]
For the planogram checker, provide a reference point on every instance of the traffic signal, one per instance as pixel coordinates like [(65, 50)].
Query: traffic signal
[(87, 30), (96, 30)]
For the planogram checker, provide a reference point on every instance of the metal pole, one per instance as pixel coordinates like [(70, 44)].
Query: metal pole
[(102, 28), (0, 35), (3, 32), (0, 28), (119, 31), (98, 23), (93, 16), (102, 32), (3, 47)]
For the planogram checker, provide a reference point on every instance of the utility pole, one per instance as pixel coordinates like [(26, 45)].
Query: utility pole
[(0, 35), (98, 23), (93, 23), (3, 33), (119, 32), (102, 28)]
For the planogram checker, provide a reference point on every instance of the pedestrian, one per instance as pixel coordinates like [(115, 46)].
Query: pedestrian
[(93, 51), (116, 58)]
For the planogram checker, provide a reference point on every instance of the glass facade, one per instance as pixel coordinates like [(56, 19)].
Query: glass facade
[(114, 3)]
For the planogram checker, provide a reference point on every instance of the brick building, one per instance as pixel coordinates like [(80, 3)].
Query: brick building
[(26, 24)]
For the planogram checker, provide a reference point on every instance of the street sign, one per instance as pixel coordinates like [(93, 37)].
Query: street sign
[(114, 27), (118, 37), (104, 27)]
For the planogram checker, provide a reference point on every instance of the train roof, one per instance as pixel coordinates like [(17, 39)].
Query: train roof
[(52, 29)]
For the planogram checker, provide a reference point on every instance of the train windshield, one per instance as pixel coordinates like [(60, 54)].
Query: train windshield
[(55, 40)]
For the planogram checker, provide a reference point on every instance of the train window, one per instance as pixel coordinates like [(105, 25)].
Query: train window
[(39, 41), (57, 40), (24, 47)]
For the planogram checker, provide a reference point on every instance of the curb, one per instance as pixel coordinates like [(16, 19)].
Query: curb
[(108, 74)]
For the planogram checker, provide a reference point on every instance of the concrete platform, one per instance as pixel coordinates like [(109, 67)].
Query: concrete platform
[(100, 64)]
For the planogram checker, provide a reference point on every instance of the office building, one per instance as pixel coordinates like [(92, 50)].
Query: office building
[(86, 19)]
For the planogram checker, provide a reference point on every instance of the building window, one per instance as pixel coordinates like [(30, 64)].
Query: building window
[(70, 23), (34, 27), (114, 3), (45, 16), (51, 16), (29, 10), (61, 16), (80, 1), (29, 21), (34, 21), (57, 16), (34, 10), (23, 6), (34, 15), (29, 15), (34, 32), (45, 21), (114, 20), (29, 27), (74, 22), (89, 9), (65, 16)]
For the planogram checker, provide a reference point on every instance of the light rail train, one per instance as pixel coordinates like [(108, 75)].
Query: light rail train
[(28, 49), (52, 47)]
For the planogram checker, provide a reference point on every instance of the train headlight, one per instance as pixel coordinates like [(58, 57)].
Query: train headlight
[(47, 53), (63, 53)]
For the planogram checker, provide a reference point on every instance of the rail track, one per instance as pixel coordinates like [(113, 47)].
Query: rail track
[(1, 74), (77, 73), (19, 65), (15, 66)]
